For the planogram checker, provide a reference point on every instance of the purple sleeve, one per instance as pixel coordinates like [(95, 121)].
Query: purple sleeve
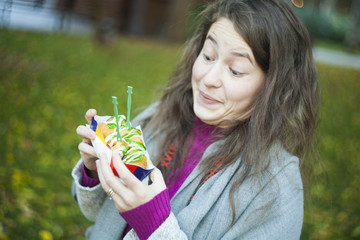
[(88, 181), (146, 218)]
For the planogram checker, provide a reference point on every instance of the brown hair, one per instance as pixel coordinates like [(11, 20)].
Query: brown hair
[(286, 109)]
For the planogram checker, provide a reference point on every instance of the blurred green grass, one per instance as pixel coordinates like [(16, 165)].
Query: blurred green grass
[(48, 81), (335, 46), (47, 84)]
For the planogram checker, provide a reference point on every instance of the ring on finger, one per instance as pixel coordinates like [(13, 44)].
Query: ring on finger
[(110, 193)]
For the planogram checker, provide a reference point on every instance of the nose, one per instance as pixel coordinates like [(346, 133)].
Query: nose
[(212, 78)]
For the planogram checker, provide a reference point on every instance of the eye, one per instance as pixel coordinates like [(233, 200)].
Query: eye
[(207, 58), (235, 73)]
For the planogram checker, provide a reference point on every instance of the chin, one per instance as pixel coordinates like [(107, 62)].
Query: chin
[(205, 116)]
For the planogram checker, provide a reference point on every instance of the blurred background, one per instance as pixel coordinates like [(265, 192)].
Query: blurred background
[(60, 57)]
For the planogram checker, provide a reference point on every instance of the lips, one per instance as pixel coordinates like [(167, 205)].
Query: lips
[(207, 99)]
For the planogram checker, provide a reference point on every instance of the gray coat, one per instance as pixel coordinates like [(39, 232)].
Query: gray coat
[(270, 208)]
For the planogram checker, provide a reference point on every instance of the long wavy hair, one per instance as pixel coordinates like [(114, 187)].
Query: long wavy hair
[(286, 110)]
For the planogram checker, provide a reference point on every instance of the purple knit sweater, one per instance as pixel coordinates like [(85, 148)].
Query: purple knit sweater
[(145, 219)]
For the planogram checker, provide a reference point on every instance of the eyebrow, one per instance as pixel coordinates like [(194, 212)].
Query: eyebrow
[(235, 53)]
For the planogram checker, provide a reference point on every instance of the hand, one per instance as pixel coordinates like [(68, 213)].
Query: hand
[(87, 152), (129, 192)]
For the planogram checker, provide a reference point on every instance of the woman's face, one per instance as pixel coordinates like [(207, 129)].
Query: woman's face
[(225, 76)]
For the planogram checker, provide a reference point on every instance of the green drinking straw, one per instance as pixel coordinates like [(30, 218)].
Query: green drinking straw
[(117, 118), (127, 124)]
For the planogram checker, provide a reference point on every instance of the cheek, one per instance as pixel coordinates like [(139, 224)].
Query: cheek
[(241, 96), (197, 70), (246, 91)]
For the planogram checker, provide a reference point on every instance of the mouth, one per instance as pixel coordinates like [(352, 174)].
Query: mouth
[(206, 98)]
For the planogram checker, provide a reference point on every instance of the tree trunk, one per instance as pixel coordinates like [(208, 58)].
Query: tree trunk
[(354, 40), (175, 27)]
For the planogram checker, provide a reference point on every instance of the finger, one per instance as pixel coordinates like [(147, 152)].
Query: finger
[(109, 178), (156, 176), (124, 173), (119, 203), (157, 179), (86, 149), (103, 183), (85, 133), (89, 115), (87, 141), (101, 177)]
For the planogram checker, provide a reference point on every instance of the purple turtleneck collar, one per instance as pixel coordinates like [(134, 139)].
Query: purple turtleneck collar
[(201, 138)]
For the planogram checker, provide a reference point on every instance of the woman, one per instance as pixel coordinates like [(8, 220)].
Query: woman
[(229, 136)]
